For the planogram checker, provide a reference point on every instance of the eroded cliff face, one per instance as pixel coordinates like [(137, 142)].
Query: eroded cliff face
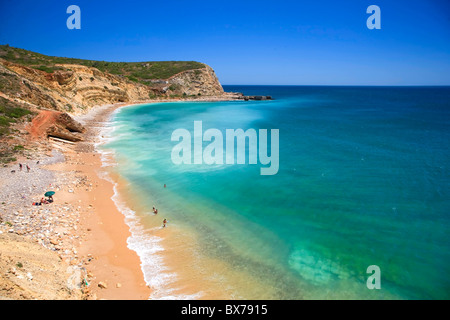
[(199, 82), (76, 88)]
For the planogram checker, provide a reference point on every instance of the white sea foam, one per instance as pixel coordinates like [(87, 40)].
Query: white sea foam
[(105, 137), (148, 246)]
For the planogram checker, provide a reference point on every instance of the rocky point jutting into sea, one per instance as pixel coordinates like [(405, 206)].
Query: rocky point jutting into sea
[(55, 88)]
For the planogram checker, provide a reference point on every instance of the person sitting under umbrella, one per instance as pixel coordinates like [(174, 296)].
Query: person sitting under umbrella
[(49, 194)]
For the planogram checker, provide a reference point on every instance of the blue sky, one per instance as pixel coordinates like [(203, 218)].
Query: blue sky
[(298, 42)]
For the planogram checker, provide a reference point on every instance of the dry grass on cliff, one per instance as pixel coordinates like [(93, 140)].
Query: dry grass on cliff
[(135, 71)]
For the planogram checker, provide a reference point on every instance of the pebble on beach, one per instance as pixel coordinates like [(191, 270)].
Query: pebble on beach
[(52, 225)]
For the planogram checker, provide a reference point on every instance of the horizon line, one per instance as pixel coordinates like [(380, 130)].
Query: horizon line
[(342, 85)]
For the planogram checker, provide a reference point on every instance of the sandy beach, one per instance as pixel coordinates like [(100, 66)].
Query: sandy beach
[(82, 231), (82, 228), (114, 268)]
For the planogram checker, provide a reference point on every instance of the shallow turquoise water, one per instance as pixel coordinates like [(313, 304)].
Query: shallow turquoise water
[(363, 180)]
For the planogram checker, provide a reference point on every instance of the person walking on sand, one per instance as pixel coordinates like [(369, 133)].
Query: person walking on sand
[(28, 168)]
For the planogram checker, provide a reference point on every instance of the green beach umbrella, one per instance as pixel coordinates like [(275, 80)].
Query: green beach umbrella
[(49, 193)]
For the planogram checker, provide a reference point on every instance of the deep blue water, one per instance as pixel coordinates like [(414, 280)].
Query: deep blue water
[(363, 180)]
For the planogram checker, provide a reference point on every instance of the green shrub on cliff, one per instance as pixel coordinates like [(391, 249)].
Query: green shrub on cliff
[(9, 113), (46, 69)]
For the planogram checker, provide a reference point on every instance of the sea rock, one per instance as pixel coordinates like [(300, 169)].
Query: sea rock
[(246, 98)]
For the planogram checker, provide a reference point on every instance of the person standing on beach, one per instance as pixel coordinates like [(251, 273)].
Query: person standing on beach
[(20, 166), (164, 223), (28, 168)]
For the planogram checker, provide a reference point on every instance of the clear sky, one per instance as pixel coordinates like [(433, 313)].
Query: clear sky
[(314, 42)]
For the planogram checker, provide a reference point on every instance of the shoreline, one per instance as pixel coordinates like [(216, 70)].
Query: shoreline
[(171, 263), (86, 231), (121, 232), (179, 278)]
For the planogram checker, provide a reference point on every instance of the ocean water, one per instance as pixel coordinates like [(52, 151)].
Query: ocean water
[(363, 179)]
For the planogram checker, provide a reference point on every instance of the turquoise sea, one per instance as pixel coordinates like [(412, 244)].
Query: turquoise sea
[(364, 179)]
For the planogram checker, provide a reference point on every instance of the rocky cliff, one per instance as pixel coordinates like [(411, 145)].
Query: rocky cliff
[(199, 82), (76, 88), (39, 94)]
